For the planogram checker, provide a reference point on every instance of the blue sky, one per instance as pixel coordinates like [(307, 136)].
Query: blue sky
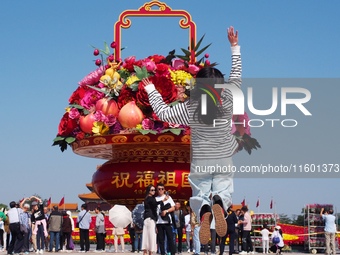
[(45, 51)]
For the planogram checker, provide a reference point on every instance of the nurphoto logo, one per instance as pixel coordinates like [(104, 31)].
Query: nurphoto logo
[(280, 99)]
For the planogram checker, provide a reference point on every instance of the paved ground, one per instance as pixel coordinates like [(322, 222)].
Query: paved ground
[(110, 249)]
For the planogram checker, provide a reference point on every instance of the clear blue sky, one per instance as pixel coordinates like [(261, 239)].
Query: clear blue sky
[(45, 51)]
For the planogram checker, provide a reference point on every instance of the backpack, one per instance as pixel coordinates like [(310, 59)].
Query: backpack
[(276, 239)]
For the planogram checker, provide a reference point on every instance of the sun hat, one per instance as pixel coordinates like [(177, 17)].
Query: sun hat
[(27, 206)]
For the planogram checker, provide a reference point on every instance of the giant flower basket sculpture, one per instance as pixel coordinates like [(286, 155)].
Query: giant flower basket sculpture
[(109, 115)]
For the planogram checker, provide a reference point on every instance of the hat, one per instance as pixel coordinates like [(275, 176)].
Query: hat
[(34, 203), (27, 206), (69, 213), (277, 227)]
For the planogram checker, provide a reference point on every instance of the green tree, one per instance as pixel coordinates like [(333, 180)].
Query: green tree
[(298, 220), (285, 219), (3, 206)]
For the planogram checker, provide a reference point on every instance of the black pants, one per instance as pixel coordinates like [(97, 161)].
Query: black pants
[(100, 241), (179, 237), (167, 229), (26, 242), (231, 234), (65, 240), (246, 241), (132, 238), (84, 239), (17, 242)]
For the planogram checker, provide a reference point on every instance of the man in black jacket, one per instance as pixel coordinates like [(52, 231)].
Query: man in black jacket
[(231, 223)]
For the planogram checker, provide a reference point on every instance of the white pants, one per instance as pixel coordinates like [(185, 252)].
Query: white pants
[(209, 178), (265, 246)]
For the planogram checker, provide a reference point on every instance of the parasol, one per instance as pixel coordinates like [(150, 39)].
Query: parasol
[(138, 215), (120, 216)]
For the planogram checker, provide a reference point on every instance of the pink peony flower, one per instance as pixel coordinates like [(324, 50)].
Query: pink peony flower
[(100, 116), (90, 98), (111, 120), (177, 63), (74, 113), (193, 69), (171, 125), (147, 124), (149, 65)]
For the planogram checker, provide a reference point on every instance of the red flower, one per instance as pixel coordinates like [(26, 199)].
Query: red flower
[(80, 135), (157, 58), (162, 70), (66, 125), (130, 62), (126, 95), (77, 95), (164, 86)]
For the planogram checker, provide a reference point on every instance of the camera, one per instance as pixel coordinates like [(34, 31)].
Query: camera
[(167, 193)]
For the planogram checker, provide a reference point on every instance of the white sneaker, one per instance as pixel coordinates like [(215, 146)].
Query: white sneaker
[(188, 251), (41, 251)]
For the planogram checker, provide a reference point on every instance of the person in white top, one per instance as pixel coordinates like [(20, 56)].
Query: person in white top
[(164, 221), (277, 245), (265, 239), (17, 239), (188, 230)]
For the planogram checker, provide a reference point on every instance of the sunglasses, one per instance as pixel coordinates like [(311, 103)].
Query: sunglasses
[(160, 188), (152, 189)]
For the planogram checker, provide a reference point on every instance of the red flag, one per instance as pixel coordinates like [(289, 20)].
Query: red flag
[(48, 202), (243, 203), (258, 203), (61, 202), (271, 204)]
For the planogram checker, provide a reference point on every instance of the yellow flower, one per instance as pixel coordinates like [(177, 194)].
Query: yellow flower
[(181, 77), (100, 128), (131, 80), (139, 126)]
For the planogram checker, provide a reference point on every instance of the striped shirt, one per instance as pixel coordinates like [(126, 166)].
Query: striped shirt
[(207, 141)]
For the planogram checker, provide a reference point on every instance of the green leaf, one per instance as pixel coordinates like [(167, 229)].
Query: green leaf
[(134, 86), (86, 112), (106, 49), (202, 50), (175, 131), (70, 140), (58, 138), (199, 43), (141, 73), (147, 131), (77, 106), (186, 52), (100, 90), (185, 58)]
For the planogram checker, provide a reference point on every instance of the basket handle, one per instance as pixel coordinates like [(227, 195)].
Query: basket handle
[(147, 11)]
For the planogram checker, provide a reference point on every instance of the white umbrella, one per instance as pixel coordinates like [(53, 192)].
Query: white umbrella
[(120, 216)]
